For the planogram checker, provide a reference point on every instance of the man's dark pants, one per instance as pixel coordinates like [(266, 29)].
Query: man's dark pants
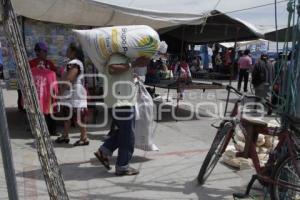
[(123, 139), (243, 75)]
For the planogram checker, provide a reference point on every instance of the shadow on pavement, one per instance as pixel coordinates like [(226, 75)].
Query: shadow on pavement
[(206, 193), (203, 193), (18, 124), (169, 113), (98, 137), (79, 172), (19, 127), (73, 138), (55, 145)]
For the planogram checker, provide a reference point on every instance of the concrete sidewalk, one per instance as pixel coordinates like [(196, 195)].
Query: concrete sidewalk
[(167, 174)]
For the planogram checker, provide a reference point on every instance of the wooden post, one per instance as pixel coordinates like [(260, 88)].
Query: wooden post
[(232, 68)]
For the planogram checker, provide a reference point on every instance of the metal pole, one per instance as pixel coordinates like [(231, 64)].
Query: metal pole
[(179, 74), (232, 68), (7, 153)]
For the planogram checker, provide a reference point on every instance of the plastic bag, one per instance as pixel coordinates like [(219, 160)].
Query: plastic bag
[(144, 124), (132, 41)]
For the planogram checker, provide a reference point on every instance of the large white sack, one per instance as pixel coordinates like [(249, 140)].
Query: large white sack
[(144, 124), (132, 41)]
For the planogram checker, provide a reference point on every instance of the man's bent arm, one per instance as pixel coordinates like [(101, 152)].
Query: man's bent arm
[(115, 69)]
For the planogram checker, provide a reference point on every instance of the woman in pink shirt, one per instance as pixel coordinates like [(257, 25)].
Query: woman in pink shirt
[(245, 64)]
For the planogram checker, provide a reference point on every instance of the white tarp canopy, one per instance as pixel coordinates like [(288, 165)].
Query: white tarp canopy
[(157, 14), (243, 44), (97, 13), (217, 28)]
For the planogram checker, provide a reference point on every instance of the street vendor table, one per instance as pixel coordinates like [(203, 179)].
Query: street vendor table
[(210, 75), (175, 85)]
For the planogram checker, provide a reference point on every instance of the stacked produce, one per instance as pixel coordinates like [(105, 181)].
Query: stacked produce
[(264, 144)]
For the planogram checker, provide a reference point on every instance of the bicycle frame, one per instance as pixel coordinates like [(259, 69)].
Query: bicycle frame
[(230, 133), (251, 132), (285, 152)]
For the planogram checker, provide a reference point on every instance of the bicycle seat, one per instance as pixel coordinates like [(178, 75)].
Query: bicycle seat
[(255, 121)]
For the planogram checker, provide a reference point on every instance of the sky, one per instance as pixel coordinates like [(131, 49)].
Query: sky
[(265, 16)]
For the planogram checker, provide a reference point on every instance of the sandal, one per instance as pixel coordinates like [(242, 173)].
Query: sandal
[(62, 139), (104, 161), (81, 142)]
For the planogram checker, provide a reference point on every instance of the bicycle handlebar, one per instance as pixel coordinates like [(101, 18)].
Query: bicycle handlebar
[(258, 99), (229, 87)]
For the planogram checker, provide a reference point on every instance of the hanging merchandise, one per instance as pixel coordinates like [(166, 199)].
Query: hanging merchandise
[(132, 41)]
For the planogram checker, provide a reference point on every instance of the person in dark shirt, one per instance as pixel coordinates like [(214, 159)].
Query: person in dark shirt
[(262, 76)]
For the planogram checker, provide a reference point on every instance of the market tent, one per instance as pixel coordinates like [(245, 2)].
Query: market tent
[(242, 44), (97, 13), (158, 14), (271, 36), (217, 28)]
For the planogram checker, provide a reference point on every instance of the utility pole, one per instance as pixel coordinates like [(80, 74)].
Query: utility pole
[(52, 174), (7, 158)]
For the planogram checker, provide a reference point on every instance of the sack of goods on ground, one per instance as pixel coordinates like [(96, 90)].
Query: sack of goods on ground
[(264, 144)]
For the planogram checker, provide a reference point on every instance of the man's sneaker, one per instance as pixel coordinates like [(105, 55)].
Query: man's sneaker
[(128, 172)]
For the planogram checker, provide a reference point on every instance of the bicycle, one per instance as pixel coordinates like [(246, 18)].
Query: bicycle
[(286, 154)]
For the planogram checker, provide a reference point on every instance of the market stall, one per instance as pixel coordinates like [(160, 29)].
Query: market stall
[(174, 85), (218, 27)]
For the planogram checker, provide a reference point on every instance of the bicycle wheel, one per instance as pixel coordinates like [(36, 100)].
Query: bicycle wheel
[(286, 180), (216, 150)]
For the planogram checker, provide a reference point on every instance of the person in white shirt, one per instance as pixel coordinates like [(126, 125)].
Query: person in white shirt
[(75, 98)]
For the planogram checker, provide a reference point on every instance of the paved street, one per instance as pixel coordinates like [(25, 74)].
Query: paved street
[(166, 174)]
